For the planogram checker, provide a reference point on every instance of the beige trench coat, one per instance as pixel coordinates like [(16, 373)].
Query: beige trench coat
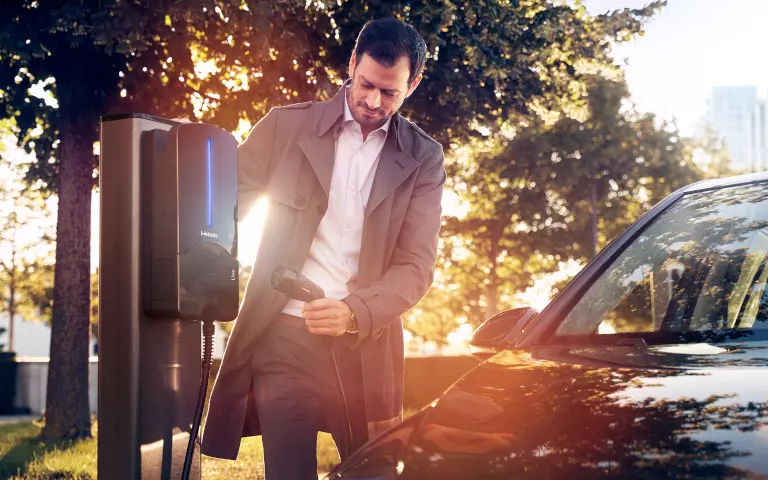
[(289, 157)]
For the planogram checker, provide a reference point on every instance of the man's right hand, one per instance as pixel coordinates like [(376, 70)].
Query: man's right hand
[(327, 316)]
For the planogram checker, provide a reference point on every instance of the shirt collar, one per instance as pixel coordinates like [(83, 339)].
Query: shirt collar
[(348, 117)]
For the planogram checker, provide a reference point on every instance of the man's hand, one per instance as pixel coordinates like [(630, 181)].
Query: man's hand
[(327, 316)]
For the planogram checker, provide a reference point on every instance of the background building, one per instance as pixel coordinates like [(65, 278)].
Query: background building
[(739, 114)]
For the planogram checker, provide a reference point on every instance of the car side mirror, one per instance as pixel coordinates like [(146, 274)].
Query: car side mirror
[(497, 332)]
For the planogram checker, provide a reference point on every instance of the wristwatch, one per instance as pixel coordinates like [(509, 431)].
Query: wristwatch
[(353, 324)]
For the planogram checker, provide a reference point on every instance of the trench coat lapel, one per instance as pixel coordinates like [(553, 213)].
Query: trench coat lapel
[(320, 146), (394, 164), (320, 152), (394, 167)]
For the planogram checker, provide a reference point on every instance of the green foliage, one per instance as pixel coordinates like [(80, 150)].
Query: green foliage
[(37, 293), (711, 152), (432, 319), (556, 192), (488, 61), (26, 244)]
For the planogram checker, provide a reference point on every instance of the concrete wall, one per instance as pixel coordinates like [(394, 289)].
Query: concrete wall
[(31, 338), (32, 379)]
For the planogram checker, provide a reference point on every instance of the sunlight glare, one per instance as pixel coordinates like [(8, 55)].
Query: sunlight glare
[(605, 329), (249, 233), (461, 335)]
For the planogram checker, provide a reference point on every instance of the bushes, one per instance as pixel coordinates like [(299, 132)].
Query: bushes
[(426, 378)]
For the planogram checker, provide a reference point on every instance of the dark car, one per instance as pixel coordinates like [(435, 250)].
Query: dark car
[(651, 363)]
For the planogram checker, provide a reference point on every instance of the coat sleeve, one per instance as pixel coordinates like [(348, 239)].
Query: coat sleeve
[(411, 269), (254, 157)]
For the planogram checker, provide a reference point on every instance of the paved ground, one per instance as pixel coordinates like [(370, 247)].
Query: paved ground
[(17, 418)]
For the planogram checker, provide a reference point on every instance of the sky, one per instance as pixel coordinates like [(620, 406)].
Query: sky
[(689, 47)]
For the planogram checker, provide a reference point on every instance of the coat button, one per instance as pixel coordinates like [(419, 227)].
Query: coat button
[(321, 209), (301, 200)]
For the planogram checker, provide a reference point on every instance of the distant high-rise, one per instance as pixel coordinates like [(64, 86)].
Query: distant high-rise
[(741, 117), (759, 124)]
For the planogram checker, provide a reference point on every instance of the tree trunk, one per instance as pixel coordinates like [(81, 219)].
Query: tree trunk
[(492, 292), (11, 313), (67, 409), (12, 277), (593, 216)]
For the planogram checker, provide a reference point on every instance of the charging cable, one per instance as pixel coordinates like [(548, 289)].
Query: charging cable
[(209, 329)]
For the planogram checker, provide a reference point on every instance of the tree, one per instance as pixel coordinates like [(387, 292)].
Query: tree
[(433, 319), (614, 164), (26, 245), (711, 153), (489, 62), (63, 64), (558, 191), (20, 273)]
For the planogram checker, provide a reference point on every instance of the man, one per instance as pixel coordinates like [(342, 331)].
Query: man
[(355, 192)]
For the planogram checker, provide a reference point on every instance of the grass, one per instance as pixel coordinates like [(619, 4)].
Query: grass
[(250, 460), (24, 456)]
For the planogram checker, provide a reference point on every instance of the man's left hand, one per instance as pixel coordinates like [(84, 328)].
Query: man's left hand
[(327, 316)]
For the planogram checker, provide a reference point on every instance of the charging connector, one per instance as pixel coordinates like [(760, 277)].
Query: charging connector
[(209, 329)]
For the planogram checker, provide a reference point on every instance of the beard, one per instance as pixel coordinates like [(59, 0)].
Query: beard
[(364, 116)]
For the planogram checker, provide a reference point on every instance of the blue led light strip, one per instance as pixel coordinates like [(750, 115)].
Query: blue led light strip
[(210, 203)]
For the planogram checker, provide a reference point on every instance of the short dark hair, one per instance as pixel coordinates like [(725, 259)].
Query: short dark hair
[(387, 39)]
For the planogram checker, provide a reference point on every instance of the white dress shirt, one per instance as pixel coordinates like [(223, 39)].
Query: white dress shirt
[(333, 257)]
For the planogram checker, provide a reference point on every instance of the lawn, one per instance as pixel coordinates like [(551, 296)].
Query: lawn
[(24, 456)]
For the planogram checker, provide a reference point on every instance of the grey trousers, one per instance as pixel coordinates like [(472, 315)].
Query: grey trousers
[(297, 395)]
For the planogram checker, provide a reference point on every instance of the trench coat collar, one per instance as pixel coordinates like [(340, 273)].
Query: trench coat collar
[(334, 115), (395, 164)]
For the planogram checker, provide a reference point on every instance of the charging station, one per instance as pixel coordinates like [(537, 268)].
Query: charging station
[(168, 267)]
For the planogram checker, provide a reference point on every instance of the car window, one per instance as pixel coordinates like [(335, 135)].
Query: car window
[(702, 265)]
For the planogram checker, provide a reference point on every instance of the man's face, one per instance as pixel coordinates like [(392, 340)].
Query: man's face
[(377, 92)]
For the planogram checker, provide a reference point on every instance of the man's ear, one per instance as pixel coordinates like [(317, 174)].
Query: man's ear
[(352, 65), (415, 84)]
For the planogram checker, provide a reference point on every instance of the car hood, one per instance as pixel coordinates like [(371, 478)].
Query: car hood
[(674, 411)]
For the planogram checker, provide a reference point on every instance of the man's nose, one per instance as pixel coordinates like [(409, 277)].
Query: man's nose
[(373, 100)]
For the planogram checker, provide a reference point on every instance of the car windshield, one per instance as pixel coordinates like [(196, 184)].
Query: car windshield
[(699, 266)]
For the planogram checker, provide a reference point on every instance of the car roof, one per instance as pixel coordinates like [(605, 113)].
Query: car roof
[(716, 183)]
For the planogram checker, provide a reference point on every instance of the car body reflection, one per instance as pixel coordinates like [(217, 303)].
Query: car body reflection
[(651, 363), (576, 412)]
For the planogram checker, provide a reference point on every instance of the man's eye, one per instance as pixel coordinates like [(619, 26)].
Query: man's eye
[(389, 94)]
